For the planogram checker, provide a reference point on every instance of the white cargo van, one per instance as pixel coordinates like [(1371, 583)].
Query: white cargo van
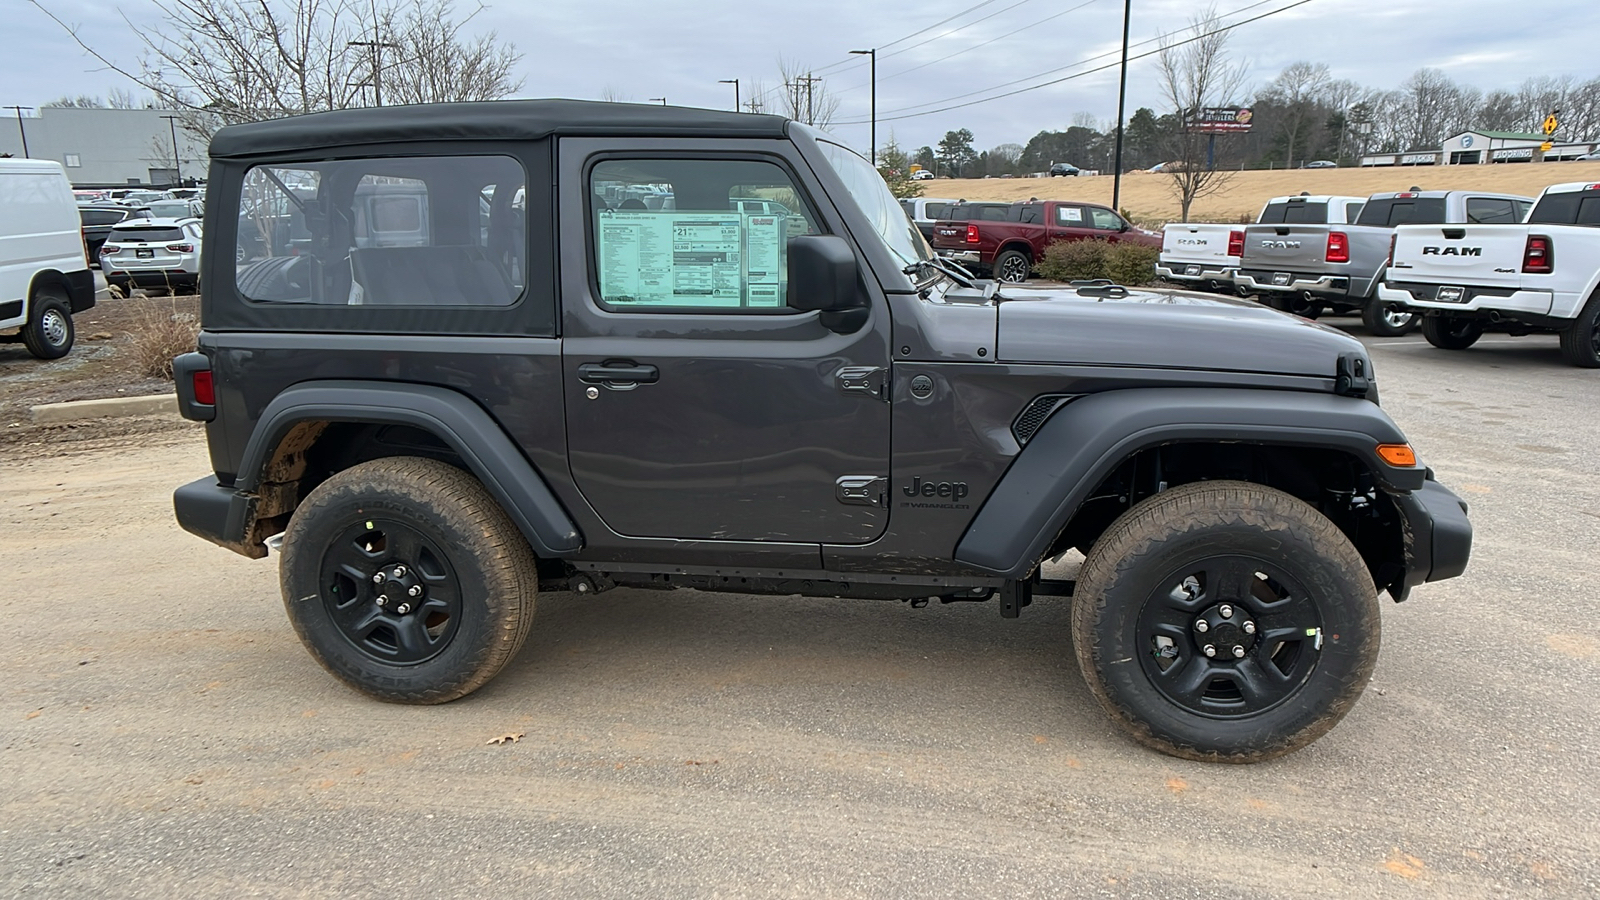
[(44, 276)]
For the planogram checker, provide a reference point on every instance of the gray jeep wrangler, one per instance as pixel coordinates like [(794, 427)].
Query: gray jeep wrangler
[(478, 351)]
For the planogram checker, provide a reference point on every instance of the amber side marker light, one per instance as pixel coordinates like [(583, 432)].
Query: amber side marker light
[(1398, 455)]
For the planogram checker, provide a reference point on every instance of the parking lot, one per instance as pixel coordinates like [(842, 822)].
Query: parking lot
[(164, 731)]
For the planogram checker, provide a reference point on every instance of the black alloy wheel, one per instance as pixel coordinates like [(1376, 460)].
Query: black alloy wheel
[(1012, 267), (1387, 318)]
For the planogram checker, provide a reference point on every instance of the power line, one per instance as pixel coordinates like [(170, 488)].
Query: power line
[(970, 9), (983, 44), (1071, 65)]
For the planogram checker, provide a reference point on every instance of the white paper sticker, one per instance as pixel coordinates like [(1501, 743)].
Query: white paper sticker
[(706, 259), (1069, 213)]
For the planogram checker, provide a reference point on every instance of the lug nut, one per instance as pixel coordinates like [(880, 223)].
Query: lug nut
[(399, 571), (1249, 628), (415, 590), (1238, 651), (1201, 626), (377, 578), (404, 608), (1224, 611), (1209, 650)]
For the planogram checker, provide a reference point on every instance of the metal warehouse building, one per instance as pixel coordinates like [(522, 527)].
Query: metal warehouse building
[(1478, 147), (102, 147)]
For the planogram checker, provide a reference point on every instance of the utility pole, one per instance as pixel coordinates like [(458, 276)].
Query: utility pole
[(376, 48), (661, 100), (177, 166), (20, 129), (735, 83), (1122, 102), (873, 54), (811, 111)]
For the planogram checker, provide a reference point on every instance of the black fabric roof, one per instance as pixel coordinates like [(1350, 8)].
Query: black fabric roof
[(491, 120)]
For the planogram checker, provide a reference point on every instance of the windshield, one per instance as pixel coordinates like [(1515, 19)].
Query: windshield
[(877, 203)]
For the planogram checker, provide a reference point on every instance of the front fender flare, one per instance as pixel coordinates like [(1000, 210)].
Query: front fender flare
[(1084, 441), (458, 421)]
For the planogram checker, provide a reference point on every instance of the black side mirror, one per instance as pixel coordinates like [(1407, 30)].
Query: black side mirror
[(1125, 226), (824, 276)]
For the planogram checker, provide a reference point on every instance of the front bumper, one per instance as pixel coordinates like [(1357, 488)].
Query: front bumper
[(1296, 283), (1473, 299), (1438, 535)]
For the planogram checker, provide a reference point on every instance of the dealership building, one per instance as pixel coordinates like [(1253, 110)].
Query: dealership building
[(1471, 148), (105, 147)]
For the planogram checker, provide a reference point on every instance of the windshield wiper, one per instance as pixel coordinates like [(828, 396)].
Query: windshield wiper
[(948, 269)]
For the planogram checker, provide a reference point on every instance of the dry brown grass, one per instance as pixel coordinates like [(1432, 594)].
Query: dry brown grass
[(1149, 197), (159, 331)]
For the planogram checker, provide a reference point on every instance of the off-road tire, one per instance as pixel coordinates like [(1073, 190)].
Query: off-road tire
[(1248, 528), (49, 332), (1383, 318), (1451, 332), (463, 531), (1012, 267), (1580, 341)]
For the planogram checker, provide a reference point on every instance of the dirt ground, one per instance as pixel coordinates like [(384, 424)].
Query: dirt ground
[(162, 732), (1149, 196), (104, 362)]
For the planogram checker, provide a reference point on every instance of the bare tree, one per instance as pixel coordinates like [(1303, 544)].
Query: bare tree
[(224, 62), (1428, 107), (1196, 71), (82, 101), (1299, 94), (805, 97), (122, 98)]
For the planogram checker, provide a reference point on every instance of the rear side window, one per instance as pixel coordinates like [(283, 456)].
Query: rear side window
[(1389, 212), (101, 216), (422, 231), (1575, 208), (1491, 211), (1028, 214), (146, 235), (1292, 213), (1352, 211)]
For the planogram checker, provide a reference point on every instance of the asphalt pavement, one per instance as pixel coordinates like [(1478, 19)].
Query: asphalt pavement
[(162, 731)]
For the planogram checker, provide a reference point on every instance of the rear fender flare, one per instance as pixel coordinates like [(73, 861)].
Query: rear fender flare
[(1084, 441), (463, 425)]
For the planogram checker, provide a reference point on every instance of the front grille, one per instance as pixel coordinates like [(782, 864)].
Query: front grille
[(1035, 413)]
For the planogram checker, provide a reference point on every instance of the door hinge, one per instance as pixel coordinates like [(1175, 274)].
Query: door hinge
[(864, 380), (861, 490)]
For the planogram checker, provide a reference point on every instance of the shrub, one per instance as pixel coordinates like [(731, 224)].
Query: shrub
[(1075, 260), (158, 334), (1131, 265)]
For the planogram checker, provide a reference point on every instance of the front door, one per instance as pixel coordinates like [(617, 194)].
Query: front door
[(698, 405)]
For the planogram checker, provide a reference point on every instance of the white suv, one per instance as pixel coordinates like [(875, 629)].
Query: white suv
[(44, 275), (160, 253)]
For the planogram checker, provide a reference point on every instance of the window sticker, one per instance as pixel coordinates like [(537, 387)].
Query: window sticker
[(722, 260), (1070, 213)]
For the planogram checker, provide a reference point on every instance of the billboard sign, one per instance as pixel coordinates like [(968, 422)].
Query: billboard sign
[(1220, 119)]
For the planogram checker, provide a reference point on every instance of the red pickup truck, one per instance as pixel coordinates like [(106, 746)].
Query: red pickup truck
[(1010, 241)]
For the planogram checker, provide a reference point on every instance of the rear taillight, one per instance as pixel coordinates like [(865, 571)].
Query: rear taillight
[(972, 234), (1539, 256), (1235, 243), (1338, 247), (204, 390), (181, 248), (1405, 195), (110, 250), (1393, 239)]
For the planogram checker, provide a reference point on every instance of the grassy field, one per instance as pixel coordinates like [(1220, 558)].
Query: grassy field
[(1149, 197)]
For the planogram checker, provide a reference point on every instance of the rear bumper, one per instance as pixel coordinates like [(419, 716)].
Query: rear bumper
[(215, 512), (964, 257), (1297, 283), (1437, 533), (152, 277), (1509, 300), (1195, 273)]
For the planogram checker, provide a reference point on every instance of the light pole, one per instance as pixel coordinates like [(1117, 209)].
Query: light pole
[(177, 166), (873, 54), (735, 83), (1122, 100), (20, 129), (661, 100), (377, 65)]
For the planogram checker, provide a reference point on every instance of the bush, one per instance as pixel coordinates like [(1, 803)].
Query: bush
[(159, 334), (1075, 260), (1131, 265)]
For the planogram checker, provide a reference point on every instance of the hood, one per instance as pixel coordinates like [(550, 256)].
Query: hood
[(1164, 329)]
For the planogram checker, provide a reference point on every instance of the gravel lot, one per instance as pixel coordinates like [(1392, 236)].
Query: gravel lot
[(161, 730)]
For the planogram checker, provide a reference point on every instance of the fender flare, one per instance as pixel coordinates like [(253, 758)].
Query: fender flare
[(452, 417), (1085, 440)]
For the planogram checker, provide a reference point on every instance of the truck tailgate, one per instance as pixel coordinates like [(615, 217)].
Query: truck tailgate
[(1285, 248), (1201, 244), (1480, 255)]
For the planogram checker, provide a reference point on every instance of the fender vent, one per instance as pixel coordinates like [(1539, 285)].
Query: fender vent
[(1035, 413)]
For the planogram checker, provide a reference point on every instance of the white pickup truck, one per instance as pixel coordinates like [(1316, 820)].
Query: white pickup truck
[(1207, 256), (1542, 276)]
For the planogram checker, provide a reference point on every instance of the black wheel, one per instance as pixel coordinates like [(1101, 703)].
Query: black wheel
[(49, 332), (1451, 332), (1225, 621), (1297, 304), (407, 581), (1387, 318), (1580, 341), (1012, 267)]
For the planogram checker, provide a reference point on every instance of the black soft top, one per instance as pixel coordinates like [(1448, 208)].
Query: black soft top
[(510, 120)]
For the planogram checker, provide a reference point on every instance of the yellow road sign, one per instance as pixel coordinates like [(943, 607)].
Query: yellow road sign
[(1550, 124), (1545, 147)]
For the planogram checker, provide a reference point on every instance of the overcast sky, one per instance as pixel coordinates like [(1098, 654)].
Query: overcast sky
[(640, 49)]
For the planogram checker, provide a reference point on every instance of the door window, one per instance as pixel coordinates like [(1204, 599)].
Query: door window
[(694, 234), (1105, 219), (1070, 217)]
